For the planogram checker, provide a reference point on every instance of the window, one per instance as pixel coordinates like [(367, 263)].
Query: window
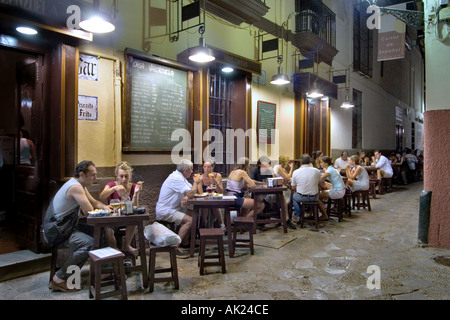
[(362, 40), (357, 120), (220, 116)]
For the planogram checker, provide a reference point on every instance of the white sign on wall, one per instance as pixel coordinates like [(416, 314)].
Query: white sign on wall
[(87, 108), (88, 67)]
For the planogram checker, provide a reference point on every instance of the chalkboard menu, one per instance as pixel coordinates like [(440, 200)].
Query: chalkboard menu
[(157, 103), (266, 122)]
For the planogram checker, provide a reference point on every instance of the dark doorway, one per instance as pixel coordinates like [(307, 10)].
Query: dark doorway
[(21, 92)]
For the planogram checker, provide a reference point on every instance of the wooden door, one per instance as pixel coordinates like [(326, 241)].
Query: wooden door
[(29, 89)]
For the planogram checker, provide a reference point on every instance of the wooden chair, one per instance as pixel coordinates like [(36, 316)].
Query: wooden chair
[(243, 223), (95, 281), (216, 235), (372, 188), (315, 208), (173, 269)]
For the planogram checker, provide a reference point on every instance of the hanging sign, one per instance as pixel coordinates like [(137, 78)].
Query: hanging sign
[(88, 68), (391, 38), (87, 108)]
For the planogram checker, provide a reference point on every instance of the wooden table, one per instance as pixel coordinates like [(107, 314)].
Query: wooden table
[(119, 221), (210, 203), (278, 192)]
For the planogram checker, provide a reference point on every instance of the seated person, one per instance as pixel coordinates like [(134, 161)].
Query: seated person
[(317, 158), (211, 178), (412, 161), (71, 200), (341, 162), (337, 186), (358, 179), (122, 189), (383, 165), (171, 205), (306, 180), (281, 171), (262, 171), (238, 180)]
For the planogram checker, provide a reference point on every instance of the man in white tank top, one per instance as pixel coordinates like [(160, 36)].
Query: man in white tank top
[(73, 198)]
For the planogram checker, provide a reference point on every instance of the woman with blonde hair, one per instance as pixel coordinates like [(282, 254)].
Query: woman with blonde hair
[(280, 170), (358, 178), (122, 189), (238, 180)]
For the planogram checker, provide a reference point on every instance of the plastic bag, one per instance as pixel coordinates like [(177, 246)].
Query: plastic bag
[(160, 235)]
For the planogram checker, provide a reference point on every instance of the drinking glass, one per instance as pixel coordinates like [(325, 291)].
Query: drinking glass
[(115, 204)]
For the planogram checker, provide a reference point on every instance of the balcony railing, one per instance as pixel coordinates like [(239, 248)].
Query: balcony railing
[(316, 17)]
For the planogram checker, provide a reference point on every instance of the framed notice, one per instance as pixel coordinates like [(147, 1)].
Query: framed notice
[(87, 108), (266, 122)]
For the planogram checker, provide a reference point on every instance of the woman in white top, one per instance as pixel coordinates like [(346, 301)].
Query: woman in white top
[(358, 178), (281, 171)]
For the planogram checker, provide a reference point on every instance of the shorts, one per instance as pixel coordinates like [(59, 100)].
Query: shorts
[(239, 201), (175, 217), (387, 175), (336, 194)]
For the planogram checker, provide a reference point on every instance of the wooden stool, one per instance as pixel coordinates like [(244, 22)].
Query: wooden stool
[(386, 184), (247, 223), (372, 188), (215, 234), (315, 207), (363, 199), (347, 207), (172, 250), (337, 210), (95, 277)]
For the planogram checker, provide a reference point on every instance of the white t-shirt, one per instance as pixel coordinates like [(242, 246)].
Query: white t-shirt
[(307, 179), (172, 192), (384, 164), (340, 164)]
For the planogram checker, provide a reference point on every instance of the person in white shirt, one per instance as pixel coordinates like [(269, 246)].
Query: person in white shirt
[(342, 162), (383, 165), (171, 205), (306, 179)]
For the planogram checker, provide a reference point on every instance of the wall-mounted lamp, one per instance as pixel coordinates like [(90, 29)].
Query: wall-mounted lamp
[(347, 102), (96, 22)]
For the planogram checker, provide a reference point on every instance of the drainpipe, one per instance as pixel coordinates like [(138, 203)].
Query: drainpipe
[(424, 217)]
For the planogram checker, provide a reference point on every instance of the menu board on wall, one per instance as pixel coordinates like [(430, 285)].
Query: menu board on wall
[(157, 103), (266, 122)]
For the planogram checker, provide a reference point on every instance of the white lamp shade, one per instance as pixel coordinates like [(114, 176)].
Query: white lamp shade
[(97, 24)]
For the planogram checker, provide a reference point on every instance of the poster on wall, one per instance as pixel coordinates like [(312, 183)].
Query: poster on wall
[(87, 108), (88, 67)]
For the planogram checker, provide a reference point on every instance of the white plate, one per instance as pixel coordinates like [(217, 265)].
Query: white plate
[(229, 197), (204, 194)]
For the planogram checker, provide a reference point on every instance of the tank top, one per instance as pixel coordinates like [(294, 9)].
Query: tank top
[(363, 177), (62, 205), (235, 186), (275, 169)]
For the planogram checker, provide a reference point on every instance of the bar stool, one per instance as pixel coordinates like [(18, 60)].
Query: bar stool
[(386, 184), (315, 207), (363, 199), (247, 224), (337, 208), (216, 235), (95, 276), (172, 250)]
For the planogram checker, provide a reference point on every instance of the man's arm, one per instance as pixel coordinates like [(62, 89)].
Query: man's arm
[(84, 199)]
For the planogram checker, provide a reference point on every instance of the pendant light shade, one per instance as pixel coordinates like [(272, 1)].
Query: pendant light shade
[(280, 78), (347, 104), (201, 53), (315, 92), (96, 22)]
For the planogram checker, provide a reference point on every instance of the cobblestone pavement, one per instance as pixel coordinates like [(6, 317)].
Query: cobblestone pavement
[(304, 264)]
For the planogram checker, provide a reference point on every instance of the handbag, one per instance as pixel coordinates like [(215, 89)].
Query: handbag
[(58, 230)]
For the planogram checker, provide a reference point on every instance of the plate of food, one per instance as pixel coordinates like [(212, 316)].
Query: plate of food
[(99, 213), (202, 195), (217, 195)]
